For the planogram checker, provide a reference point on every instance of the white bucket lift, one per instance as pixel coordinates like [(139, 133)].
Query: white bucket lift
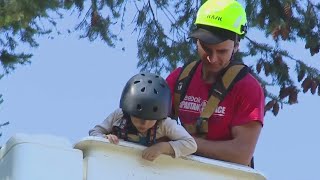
[(40, 157), (45, 157)]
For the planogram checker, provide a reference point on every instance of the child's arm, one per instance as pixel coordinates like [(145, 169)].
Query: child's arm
[(181, 142), (105, 127)]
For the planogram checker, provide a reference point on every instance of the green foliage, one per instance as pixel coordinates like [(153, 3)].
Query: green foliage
[(3, 124), (20, 22), (1, 100), (163, 27)]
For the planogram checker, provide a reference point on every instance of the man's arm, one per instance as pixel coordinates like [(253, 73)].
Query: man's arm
[(238, 150)]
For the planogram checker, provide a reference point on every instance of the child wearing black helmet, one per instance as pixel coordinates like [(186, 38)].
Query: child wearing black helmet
[(143, 118)]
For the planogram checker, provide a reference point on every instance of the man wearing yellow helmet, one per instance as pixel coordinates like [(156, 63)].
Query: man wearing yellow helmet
[(234, 126)]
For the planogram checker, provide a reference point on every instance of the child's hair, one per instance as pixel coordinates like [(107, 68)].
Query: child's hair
[(146, 96)]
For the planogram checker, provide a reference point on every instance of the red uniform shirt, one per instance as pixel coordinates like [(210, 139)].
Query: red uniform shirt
[(243, 104)]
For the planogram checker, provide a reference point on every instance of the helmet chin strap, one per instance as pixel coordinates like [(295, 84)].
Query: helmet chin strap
[(231, 58), (233, 51)]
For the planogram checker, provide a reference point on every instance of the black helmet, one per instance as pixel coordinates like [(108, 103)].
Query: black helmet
[(146, 96)]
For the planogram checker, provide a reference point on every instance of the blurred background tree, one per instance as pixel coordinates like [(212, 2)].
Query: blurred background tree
[(163, 26)]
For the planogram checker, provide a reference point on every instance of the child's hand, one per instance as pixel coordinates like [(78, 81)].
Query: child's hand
[(112, 138), (152, 152)]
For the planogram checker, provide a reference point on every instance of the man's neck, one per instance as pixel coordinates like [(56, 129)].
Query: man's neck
[(207, 76)]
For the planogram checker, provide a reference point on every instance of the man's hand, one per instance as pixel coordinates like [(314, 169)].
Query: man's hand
[(112, 138), (154, 151), (239, 150)]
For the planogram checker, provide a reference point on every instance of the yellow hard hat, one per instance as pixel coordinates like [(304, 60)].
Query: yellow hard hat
[(219, 20)]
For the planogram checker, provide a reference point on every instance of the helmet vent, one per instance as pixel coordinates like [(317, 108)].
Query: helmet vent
[(149, 81), (155, 91), (136, 82), (143, 89), (155, 108), (157, 76), (139, 107), (162, 85), (143, 75)]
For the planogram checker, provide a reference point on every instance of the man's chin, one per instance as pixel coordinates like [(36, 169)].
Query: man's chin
[(214, 71), (142, 130)]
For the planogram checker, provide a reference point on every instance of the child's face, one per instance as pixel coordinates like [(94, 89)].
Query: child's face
[(142, 125)]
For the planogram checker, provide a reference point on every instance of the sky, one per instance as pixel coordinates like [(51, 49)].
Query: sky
[(72, 85)]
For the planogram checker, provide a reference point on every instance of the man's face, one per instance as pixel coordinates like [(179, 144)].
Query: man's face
[(215, 57)]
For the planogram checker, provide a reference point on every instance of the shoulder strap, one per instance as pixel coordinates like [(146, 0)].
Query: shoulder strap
[(125, 127), (151, 135), (219, 90), (182, 84), (120, 130)]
